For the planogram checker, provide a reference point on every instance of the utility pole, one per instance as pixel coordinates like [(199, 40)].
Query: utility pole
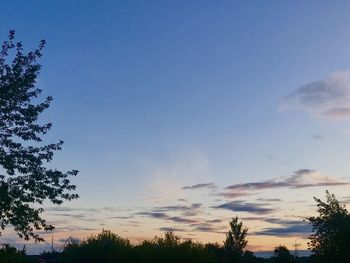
[(296, 250), (52, 249)]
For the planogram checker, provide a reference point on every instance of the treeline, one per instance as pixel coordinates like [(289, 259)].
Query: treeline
[(108, 247), (329, 243)]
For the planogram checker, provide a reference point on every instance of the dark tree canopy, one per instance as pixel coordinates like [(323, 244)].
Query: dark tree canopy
[(330, 241), (108, 247), (282, 255), (25, 181)]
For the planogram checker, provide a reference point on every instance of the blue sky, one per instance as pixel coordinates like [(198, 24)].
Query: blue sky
[(153, 96)]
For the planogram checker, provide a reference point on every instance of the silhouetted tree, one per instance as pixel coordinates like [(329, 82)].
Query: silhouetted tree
[(236, 241), (282, 255), (104, 247), (108, 247), (25, 181), (330, 241), (169, 239), (10, 254), (172, 249)]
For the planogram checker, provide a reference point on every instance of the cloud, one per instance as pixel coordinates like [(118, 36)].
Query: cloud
[(272, 220), (73, 228), (206, 228), (70, 209), (329, 97), (253, 218), (175, 213), (119, 217), (286, 227), (269, 199), (200, 186), (214, 221), (175, 229), (240, 206), (75, 216), (154, 214), (302, 178), (192, 209), (58, 213), (188, 213), (299, 229), (164, 216), (279, 221), (233, 194), (87, 210), (179, 219)]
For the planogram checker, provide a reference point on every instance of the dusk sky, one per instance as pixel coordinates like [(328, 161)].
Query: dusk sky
[(184, 114)]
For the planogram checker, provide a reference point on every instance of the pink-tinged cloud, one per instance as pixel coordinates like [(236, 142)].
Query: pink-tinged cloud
[(300, 179)]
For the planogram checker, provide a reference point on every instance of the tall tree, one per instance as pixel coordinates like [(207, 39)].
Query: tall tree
[(236, 241), (330, 241), (25, 181)]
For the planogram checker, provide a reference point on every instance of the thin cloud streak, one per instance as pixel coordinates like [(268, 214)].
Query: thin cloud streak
[(299, 229), (164, 216), (240, 206), (154, 215), (303, 178), (200, 186)]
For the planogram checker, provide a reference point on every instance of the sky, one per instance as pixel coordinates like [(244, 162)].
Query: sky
[(183, 114)]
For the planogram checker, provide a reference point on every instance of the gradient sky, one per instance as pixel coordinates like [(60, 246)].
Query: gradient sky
[(182, 114)]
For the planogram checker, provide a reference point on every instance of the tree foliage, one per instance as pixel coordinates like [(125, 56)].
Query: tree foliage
[(104, 247), (25, 181), (10, 254), (108, 247), (236, 238), (330, 241), (282, 255)]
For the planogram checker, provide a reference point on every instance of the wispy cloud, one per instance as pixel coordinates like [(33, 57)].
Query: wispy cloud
[(71, 209), (73, 228), (233, 194), (153, 215), (164, 216), (240, 206), (179, 219), (285, 227), (299, 179), (217, 220), (280, 221), (269, 199), (208, 228), (200, 186), (192, 209), (328, 97), (298, 229), (175, 229), (120, 217)]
